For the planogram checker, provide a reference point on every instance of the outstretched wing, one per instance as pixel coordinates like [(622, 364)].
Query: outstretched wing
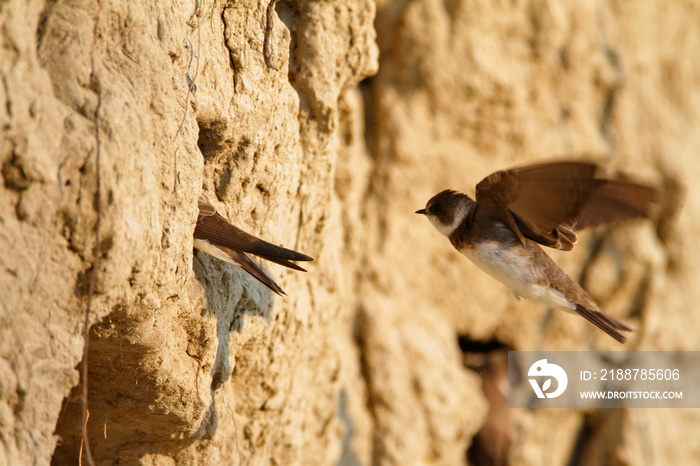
[(613, 200), (548, 201)]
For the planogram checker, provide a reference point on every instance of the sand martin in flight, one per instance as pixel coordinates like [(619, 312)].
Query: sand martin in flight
[(518, 210), (217, 237)]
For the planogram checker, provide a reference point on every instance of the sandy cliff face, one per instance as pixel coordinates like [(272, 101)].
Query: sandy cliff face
[(104, 152)]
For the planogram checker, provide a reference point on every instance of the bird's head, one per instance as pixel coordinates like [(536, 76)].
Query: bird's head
[(446, 210)]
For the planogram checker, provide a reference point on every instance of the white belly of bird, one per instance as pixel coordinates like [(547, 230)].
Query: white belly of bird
[(205, 246), (515, 270)]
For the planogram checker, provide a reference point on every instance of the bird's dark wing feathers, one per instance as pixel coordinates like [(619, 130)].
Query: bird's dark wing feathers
[(614, 200), (246, 264), (215, 229), (551, 200)]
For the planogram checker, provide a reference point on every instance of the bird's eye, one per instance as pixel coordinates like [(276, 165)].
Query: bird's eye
[(434, 209)]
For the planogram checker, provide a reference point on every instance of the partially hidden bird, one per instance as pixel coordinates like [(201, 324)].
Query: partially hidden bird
[(218, 237), (517, 210)]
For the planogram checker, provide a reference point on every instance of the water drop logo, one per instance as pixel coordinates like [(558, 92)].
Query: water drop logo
[(541, 369)]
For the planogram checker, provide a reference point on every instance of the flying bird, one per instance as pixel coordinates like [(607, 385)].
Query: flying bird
[(518, 210), (217, 237)]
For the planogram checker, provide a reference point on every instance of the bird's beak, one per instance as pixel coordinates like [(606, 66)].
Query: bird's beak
[(422, 212)]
